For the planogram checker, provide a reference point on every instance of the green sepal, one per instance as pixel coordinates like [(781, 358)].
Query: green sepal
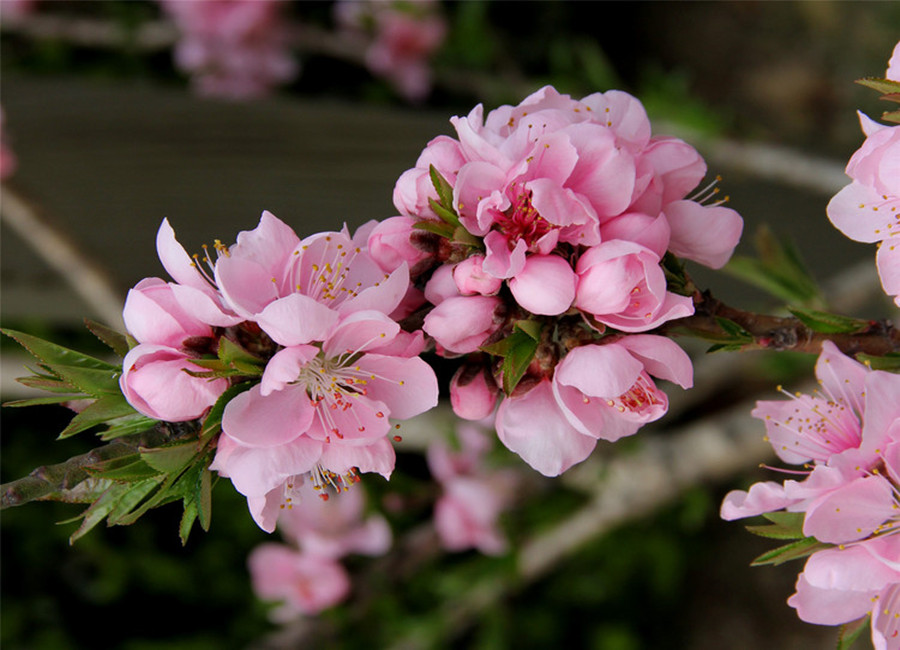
[(187, 521), (884, 86), (100, 411), (442, 187), (785, 525), (676, 277), (891, 116), (778, 269), (116, 341), (531, 327), (793, 551), (53, 354), (518, 351), (733, 337), (851, 631), (820, 321), (463, 236)]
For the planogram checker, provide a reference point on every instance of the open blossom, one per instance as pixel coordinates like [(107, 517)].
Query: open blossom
[(597, 392), (850, 433), (232, 48), (868, 210), (573, 205)]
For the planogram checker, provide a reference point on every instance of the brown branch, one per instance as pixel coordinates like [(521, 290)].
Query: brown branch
[(877, 338)]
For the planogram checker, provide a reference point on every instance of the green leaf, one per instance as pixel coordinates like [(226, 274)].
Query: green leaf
[(97, 511), (892, 116), (116, 341), (204, 499), (187, 521), (137, 470), (850, 632), (442, 229), (446, 214), (52, 354), (171, 457), (792, 551), (884, 86), (785, 525), (47, 383), (37, 401), (120, 515), (442, 187), (213, 422), (517, 360), (733, 331), (93, 381), (890, 361), (778, 270), (820, 321), (102, 410), (127, 426), (531, 327), (235, 356)]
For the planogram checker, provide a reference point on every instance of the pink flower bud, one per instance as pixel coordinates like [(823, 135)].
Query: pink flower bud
[(473, 394), (461, 324), (471, 278), (389, 244)]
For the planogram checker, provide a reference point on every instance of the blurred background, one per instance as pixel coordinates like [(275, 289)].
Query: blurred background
[(113, 126)]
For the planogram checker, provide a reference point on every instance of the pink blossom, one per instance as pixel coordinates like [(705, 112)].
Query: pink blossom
[(545, 285), (321, 408), (470, 277), (390, 246), (333, 526), (8, 162), (621, 284), (893, 70), (467, 512), (405, 36), (305, 583), (232, 48), (596, 392)]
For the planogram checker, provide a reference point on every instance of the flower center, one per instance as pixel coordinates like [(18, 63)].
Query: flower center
[(643, 398), (522, 221)]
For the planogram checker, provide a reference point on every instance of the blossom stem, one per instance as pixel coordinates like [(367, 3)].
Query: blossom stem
[(768, 332)]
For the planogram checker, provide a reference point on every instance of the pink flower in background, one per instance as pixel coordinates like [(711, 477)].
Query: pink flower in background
[(466, 514), (404, 36), (8, 162), (232, 48), (304, 583), (893, 70)]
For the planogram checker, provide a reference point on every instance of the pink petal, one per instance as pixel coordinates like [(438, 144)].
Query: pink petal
[(762, 497), (649, 232), (849, 569), (407, 386), (360, 331), (705, 234), (384, 296), (297, 319), (532, 426), (599, 370), (546, 285), (854, 211), (888, 261), (462, 324), (284, 367), (825, 606), (851, 512), (255, 471), (377, 457), (500, 261), (246, 286), (272, 420), (662, 358), (175, 260)]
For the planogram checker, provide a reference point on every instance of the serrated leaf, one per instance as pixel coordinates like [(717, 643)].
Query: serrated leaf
[(121, 513), (850, 632), (531, 327), (446, 214), (213, 422), (52, 354), (137, 470), (793, 520), (442, 229), (725, 347), (792, 551), (890, 361), (785, 525), (171, 457), (102, 410), (734, 331), (891, 116), (820, 321), (47, 383), (38, 401), (204, 499), (442, 187), (517, 360), (93, 381), (187, 521), (234, 355), (127, 426), (116, 341), (97, 511), (884, 86), (86, 491)]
